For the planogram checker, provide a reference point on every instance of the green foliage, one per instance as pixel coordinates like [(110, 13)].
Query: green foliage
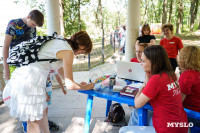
[(70, 16), (154, 13), (38, 4), (114, 14)]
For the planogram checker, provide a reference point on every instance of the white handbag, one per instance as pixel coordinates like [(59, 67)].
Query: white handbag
[(6, 95)]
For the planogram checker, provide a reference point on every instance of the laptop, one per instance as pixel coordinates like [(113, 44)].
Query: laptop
[(130, 70)]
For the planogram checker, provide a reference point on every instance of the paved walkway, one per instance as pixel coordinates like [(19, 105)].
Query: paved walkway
[(68, 111)]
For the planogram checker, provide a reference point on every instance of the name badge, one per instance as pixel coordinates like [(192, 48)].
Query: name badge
[(171, 42)]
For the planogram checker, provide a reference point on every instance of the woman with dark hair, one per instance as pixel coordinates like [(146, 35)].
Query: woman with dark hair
[(146, 37), (171, 43), (27, 84), (161, 90)]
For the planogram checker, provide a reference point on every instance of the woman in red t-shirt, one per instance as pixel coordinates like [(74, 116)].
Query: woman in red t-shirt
[(171, 44), (139, 48), (162, 92), (189, 81)]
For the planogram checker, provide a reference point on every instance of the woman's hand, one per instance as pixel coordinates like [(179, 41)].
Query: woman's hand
[(83, 83), (147, 76), (48, 97), (64, 91), (88, 86)]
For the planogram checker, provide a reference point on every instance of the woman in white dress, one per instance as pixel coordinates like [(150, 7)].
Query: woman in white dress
[(27, 84)]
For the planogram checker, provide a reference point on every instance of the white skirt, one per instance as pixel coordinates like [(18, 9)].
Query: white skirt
[(25, 93)]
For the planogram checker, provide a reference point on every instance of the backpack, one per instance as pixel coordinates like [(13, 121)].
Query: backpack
[(116, 115), (26, 52)]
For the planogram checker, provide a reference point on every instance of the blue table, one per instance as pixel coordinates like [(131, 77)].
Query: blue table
[(108, 94)]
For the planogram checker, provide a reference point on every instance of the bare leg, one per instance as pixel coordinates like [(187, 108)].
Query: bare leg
[(43, 123), (38, 126), (33, 127)]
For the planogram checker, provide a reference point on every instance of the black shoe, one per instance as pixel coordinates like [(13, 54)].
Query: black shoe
[(53, 126)]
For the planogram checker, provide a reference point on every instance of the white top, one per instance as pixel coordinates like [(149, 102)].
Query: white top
[(49, 51), (25, 90)]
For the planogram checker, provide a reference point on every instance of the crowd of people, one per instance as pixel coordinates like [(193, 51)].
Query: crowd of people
[(118, 37), (30, 86), (167, 94)]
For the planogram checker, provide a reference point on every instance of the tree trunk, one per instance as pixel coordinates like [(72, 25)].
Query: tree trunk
[(145, 12), (181, 23), (155, 12), (193, 12), (79, 15), (118, 12), (178, 24), (164, 16), (119, 21), (101, 15), (170, 11), (199, 23), (102, 28)]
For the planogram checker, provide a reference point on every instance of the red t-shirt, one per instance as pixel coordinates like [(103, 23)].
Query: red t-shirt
[(172, 46), (189, 82), (134, 60), (167, 105)]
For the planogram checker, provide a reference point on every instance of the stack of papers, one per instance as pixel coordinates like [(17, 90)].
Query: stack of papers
[(136, 85)]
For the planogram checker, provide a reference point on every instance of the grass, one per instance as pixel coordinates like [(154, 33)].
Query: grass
[(81, 61), (191, 38)]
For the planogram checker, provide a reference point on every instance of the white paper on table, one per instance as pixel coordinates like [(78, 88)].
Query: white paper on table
[(136, 85)]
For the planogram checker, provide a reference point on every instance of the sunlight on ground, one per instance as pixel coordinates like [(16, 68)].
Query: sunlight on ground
[(197, 33), (189, 42), (101, 127), (76, 125), (8, 126)]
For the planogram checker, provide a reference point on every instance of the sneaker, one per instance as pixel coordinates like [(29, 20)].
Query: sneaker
[(24, 126)]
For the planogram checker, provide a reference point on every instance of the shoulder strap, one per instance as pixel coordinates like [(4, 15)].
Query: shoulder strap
[(51, 60), (54, 35)]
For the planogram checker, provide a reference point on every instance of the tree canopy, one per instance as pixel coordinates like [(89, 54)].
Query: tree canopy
[(89, 15)]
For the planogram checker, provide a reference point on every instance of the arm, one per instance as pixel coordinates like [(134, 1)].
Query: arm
[(179, 50), (152, 42), (60, 83), (140, 98), (186, 84), (6, 46), (67, 57), (183, 96), (61, 73), (47, 97), (137, 43), (179, 45)]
